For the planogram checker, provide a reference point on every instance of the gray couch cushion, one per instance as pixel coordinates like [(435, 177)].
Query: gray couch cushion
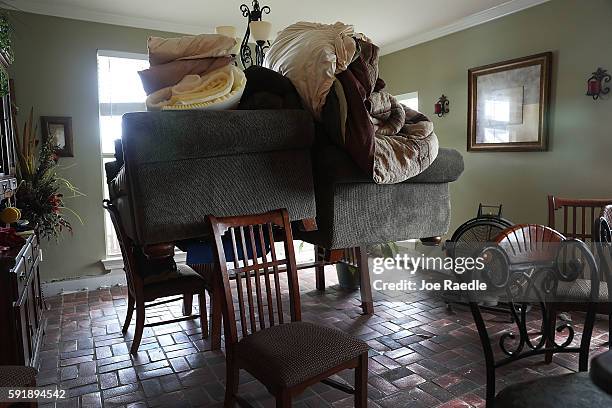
[(338, 167), (352, 210), (150, 137), (353, 214), (181, 167)]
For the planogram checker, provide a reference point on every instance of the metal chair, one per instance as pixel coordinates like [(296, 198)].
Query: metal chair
[(276, 347), (525, 268)]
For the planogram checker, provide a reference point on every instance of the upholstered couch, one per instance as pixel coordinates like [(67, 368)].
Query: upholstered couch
[(175, 168), (352, 210), (181, 166)]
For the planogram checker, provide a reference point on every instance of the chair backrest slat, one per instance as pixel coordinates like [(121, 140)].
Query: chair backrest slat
[(262, 243), (260, 306), (574, 212), (279, 302), (255, 257), (238, 277), (247, 277)]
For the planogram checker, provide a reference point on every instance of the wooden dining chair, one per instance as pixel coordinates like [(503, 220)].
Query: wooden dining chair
[(580, 219), (574, 217), (265, 335), (151, 279), (524, 269)]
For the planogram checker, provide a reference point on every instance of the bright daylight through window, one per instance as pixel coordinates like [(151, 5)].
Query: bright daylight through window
[(119, 91)]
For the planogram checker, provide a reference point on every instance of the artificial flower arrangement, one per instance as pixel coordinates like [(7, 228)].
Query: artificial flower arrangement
[(39, 194)]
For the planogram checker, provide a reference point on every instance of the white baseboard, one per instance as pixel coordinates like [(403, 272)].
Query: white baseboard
[(116, 276), (113, 278)]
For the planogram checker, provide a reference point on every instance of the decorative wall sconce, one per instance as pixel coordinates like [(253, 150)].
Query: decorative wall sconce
[(596, 84), (441, 107)]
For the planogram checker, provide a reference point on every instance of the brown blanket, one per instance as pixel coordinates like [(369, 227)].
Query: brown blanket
[(385, 138)]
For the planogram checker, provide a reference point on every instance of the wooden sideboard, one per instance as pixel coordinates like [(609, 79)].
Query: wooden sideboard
[(22, 322)]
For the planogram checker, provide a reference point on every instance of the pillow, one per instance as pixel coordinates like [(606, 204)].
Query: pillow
[(310, 55)]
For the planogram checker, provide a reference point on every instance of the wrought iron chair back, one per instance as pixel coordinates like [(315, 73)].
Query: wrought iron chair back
[(526, 268), (602, 236)]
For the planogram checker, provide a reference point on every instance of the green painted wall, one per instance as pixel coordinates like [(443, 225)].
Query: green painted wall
[(579, 161), (55, 71)]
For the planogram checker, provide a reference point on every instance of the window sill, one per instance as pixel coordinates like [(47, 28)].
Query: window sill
[(113, 263)]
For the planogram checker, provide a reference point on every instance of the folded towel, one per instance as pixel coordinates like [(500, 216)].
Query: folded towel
[(164, 75), (220, 89), (163, 50)]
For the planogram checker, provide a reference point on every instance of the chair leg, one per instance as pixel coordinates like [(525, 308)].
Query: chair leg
[(283, 399), (140, 321), (203, 314), (232, 379), (552, 319), (361, 382), (216, 317), (128, 314), (187, 304), (367, 304), (320, 267)]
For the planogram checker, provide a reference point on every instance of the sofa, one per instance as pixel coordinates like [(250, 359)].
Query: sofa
[(175, 168), (179, 167)]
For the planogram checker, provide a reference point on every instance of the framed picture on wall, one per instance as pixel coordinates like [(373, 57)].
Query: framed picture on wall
[(508, 105), (60, 129)]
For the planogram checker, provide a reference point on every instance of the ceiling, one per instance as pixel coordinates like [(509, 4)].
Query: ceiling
[(392, 24)]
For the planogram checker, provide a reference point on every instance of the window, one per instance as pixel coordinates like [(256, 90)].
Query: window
[(410, 99), (119, 91)]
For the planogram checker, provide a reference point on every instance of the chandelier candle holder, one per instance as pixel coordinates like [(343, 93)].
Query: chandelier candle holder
[(261, 34), (596, 84), (441, 107), (230, 31)]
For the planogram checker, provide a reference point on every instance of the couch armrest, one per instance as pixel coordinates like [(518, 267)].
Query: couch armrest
[(334, 166)]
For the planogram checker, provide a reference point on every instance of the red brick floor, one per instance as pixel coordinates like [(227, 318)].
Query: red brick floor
[(421, 354)]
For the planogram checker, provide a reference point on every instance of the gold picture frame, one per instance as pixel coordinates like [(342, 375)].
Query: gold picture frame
[(508, 105)]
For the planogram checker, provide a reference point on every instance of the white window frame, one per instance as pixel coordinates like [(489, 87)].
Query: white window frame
[(114, 263), (111, 262), (409, 95)]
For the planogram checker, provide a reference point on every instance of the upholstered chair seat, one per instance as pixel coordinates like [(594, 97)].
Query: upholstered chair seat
[(290, 354), (17, 376)]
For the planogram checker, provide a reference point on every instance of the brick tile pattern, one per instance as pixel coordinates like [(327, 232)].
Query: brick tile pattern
[(422, 355)]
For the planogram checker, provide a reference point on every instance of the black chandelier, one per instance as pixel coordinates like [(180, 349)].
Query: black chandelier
[(260, 31)]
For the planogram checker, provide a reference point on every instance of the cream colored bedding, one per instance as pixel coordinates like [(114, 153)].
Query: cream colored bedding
[(310, 55), (220, 89), (163, 50)]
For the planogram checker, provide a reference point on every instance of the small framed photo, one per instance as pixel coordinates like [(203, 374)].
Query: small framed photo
[(508, 105), (59, 128)]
